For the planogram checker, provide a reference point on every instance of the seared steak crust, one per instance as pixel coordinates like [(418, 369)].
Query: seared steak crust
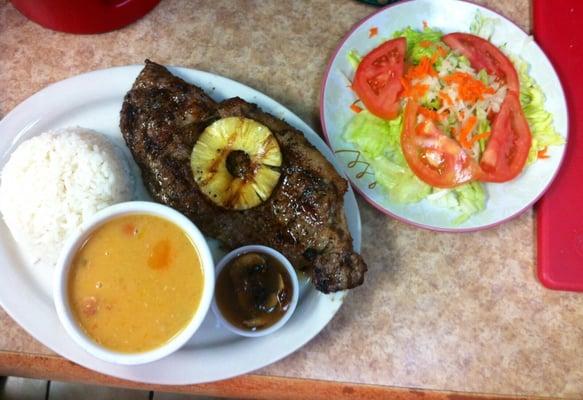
[(161, 119)]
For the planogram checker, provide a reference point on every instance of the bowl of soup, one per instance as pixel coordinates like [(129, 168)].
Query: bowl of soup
[(135, 284)]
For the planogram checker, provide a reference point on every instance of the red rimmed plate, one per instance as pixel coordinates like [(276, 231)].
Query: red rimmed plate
[(504, 201)]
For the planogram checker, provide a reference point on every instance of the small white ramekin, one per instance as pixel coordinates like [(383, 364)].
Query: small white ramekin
[(293, 278), (60, 292)]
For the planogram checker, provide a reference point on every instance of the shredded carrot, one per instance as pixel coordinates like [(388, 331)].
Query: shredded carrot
[(469, 88), (418, 72), (461, 115), (421, 70), (543, 153), (414, 91), (418, 91), (445, 98), (441, 52), (373, 32), (465, 131), (434, 57), (479, 137), (429, 114), (426, 67), (354, 107)]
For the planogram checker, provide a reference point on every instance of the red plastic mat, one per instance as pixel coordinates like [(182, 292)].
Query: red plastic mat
[(557, 29)]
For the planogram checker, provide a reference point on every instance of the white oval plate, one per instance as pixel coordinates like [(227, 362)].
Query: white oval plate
[(504, 200), (94, 100)]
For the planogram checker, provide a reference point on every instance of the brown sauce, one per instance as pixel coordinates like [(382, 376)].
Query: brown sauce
[(253, 291)]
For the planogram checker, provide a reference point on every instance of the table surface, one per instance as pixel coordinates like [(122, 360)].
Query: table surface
[(438, 311)]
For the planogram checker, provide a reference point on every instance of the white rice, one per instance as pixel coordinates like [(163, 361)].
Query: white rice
[(57, 180)]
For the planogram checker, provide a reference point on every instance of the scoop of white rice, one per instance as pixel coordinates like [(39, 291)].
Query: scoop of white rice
[(57, 180)]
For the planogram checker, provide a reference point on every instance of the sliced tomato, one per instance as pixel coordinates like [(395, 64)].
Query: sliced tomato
[(507, 150), (377, 80), (484, 55), (434, 157)]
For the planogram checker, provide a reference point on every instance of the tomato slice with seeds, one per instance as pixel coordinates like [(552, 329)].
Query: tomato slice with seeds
[(377, 80), (434, 157), (507, 150), (484, 55)]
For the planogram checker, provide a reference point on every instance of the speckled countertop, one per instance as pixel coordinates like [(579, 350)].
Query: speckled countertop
[(429, 315)]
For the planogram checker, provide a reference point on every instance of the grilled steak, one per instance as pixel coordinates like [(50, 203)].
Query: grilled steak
[(161, 119)]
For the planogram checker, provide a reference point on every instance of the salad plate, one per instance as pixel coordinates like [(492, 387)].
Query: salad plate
[(442, 209), (93, 100)]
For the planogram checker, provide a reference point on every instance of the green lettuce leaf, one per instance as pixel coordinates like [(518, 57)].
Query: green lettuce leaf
[(540, 121), (354, 58), (483, 76), (400, 183), (369, 133), (414, 37), (466, 200), (379, 142), (483, 26), (483, 126), (471, 198)]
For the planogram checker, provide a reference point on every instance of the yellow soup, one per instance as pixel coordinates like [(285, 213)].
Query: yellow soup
[(135, 283)]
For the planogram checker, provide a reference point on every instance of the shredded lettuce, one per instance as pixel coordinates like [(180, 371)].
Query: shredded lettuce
[(483, 76), (433, 104), (540, 121), (414, 50), (466, 200), (471, 198), (370, 133), (448, 123), (483, 26), (464, 62), (483, 126), (379, 142), (400, 183), (452, 62), (354, 58)]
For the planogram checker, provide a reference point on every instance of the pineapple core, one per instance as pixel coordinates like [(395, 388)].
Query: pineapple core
[(235, 163)]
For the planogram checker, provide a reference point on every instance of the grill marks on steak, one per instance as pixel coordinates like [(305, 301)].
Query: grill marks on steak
[(161, 118)]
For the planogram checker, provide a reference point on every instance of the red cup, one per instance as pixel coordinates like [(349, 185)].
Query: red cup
[(84, 16)]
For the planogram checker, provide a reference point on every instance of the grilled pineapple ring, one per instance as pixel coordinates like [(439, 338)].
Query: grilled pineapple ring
[(235, 162)]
